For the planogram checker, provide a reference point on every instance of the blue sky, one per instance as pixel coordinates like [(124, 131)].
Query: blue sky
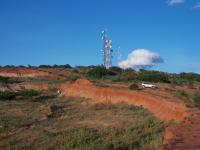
[(69, 31)]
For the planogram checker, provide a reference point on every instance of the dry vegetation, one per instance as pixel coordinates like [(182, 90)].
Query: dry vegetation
[(69, 123)]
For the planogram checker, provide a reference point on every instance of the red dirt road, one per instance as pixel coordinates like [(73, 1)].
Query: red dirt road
[(164, 110)]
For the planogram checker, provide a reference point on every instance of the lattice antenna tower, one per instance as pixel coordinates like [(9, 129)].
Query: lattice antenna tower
[(107, 50)]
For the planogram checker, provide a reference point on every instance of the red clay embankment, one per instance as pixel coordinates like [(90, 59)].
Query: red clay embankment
[(164, 110)]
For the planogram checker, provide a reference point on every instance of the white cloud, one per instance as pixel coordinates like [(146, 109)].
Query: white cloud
[(140, 59), (174, 2), (196, 6)]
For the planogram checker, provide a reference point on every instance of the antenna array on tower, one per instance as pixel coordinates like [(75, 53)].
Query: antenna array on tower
[(107, 50)]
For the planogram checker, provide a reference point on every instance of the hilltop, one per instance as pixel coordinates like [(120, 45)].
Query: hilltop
[(52, 101)]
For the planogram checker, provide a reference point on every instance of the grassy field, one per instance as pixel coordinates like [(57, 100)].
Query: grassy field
[(70, 123)]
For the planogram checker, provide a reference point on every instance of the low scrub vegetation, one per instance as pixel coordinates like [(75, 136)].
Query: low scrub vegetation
[(196, 99), (153, 76), (127, 75), (3, 79), (134, 86), (183, 95), (143, 134), (99, 73), (73, 77), (28, 93), (7, 95), (78, 124)]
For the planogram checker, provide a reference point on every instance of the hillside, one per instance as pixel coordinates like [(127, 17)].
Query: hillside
[(91, 101)]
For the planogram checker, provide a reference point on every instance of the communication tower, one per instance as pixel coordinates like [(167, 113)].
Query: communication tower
[(107, 50)]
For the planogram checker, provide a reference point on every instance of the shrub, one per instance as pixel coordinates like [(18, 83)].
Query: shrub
[(99, 72), (154, 76), (182, 94), (45, 66), (67, 66), (3, 79), (190, 76), (73, 77), (28, 93), (116, 69), (196, 99), (127, 75), (7, 95), (134, 86)]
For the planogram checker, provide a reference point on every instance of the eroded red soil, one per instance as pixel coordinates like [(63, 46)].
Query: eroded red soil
[(163, 109), (184, 136)]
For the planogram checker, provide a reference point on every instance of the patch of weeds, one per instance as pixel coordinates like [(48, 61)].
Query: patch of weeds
[(73, 77), (11, 147), (143, 136), (13, 121), (3, 79), (28, 93), (89, 126), (7, 95), (56, 111), (99, 72), (170, 89), (172, 122), (104, 106), (83, 138), (124, 106), (196, 98), (43, 98), (43, 80), (134, 87), (183, 95)]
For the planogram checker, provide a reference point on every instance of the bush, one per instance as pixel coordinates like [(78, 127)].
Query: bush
[(182, 94), (66, 66), (116, 69), (28, 93), (154, 76), (190, 76), (73, 77), (99, 72), (7, 95), (196, 99), (127, 75), (134, 86), (4, 79)]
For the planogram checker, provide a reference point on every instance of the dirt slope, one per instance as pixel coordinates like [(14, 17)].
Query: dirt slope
[(161, 108), (184, 136)]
